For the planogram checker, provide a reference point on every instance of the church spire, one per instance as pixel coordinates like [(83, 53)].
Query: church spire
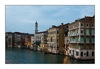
[(36, 26)]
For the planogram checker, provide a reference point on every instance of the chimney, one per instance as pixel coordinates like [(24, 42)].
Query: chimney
[(53, 26), (61, 23)]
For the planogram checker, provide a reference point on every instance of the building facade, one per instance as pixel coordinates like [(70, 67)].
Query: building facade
[(82, 35), (9, 39), (39, 39), (32, 41), (19, 39), (56, 38), (28, 40), (52, 39)]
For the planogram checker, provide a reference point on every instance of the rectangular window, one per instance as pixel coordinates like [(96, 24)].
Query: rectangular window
[(87, 31), (57, 32), (57, 40), (77, 53), (81, 24), (81, 47), (51, 39), (92, 39), (87, 46), (92, 46), (92, 31), (86, 53), (82, 39), (69, 51), (92, 53), (92, 25), (87, 39), (81, 53), (82, 31)]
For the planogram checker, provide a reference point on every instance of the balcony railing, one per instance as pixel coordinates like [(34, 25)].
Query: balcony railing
[(87, 34), (72, 34), (92, 33), (92, 41), (87, 41), (81, 33), (72, 41), (51, 42), (80, 41)]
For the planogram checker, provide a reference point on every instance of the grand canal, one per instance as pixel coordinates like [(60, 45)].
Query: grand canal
[(25, 56)]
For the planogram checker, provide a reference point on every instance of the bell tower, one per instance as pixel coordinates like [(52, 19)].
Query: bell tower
[(36, 27)]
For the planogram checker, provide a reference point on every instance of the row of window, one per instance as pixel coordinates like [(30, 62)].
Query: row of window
[(81, 39), (82, 31), (87, 25), (55, 32), (38, 37), (53, 40), (81, 53)]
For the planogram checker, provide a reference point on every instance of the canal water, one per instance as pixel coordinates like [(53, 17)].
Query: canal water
[(25, 56)]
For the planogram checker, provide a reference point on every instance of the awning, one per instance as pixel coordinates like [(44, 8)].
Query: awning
[(37, 43)]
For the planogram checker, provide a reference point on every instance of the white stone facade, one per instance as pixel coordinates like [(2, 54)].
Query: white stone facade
[(81, 54)]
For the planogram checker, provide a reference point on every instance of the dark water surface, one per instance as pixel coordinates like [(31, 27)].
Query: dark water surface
[(25, 56)]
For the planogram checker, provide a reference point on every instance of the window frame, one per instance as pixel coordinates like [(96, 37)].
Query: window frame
[(81, 53), (87, 24)]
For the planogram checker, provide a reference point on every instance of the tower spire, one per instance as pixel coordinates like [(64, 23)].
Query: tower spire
[(36, 27)]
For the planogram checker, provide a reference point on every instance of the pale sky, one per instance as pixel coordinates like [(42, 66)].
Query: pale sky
[(21, 18)]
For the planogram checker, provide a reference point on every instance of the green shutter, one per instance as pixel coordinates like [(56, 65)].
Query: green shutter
[(87, 31)]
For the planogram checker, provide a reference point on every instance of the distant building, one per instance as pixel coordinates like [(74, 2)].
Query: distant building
[(43, 44), (82, 35), (9, 39), (28, 40), (19, 39), (32, 40), (38, 39), (15, 39)]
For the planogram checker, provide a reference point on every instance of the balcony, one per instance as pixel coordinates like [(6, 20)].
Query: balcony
[(72, 34), (51, 42), (92, 41), (81, 33), (92, 34), (87, 34), (92, 27), (57, 34), (87, 41), (72, 41), (80, 41)]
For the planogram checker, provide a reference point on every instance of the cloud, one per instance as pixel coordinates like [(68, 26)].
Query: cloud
[(24, 17), (27, 21)]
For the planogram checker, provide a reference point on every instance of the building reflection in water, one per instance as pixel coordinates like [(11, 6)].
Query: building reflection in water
[(66, 60)]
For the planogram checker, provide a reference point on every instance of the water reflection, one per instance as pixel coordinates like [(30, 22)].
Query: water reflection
[(66, 60), (24, 56)]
